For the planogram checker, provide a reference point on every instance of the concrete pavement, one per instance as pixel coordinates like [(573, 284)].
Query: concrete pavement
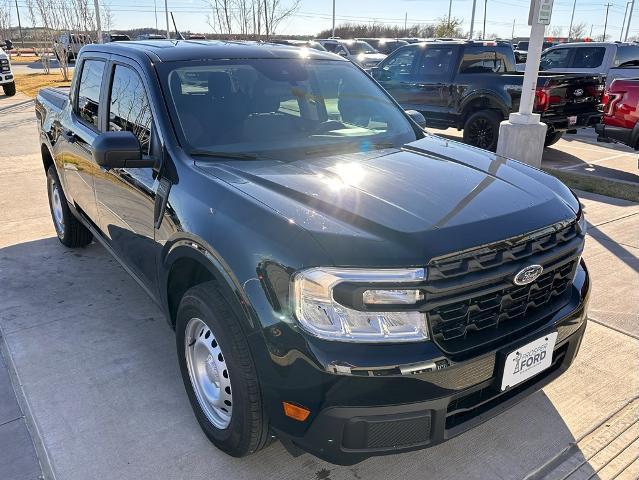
[(97, 364)]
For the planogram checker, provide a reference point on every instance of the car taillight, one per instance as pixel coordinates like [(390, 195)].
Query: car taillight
[(543, 99)]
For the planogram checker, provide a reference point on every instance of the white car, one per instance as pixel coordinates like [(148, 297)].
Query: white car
[(6, 75), (357, 51)]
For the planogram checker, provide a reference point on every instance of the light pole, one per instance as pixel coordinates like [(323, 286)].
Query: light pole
[(472, 20), (572, 17), (19, 25), (608, 5), (450, 7), (96, 5), (623, 24), (333, 18), (483, 34), (166, 11), (632, 7)]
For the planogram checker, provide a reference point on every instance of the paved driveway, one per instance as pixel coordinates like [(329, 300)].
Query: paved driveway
[(95, 363)]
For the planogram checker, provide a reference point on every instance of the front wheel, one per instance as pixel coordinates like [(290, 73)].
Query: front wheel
[(9, 89), (70, 230), (482, 129), (218, 372)]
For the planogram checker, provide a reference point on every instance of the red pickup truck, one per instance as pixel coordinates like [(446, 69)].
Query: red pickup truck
[(620, 120)]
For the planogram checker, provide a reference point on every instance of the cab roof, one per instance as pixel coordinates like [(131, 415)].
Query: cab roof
[(181, 50)]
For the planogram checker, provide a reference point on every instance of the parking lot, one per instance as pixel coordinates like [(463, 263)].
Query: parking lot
[(94, 366)]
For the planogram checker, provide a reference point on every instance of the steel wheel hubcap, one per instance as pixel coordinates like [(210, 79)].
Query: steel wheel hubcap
[(56, 208), (208, 373)]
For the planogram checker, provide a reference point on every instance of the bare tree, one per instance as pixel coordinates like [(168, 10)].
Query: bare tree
[(5, 20), (249, 18), (578, 30), (554, 31)]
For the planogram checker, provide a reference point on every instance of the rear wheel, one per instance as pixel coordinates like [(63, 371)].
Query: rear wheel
[(70, 230), (482, 129), (9, 89), (552, 138), (218, 372)]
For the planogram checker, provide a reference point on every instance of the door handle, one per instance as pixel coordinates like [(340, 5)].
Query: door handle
[(69, 136)]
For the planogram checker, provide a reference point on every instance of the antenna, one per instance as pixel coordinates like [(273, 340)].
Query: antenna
[(178, 35)]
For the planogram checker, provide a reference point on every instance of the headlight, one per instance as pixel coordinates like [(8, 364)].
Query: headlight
[(321, 315)]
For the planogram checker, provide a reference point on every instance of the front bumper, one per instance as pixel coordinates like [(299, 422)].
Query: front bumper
[(6, 78), (462, 396)]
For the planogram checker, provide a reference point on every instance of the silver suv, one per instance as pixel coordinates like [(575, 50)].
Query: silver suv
[(357, 51)]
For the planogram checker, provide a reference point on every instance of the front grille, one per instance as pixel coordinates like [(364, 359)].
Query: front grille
[(471, 300)]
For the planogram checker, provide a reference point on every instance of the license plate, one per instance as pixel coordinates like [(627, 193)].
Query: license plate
[(528, 360), (572, 120)]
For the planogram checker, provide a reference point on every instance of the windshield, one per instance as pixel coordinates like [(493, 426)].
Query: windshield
[(269, 106), (355, 48)]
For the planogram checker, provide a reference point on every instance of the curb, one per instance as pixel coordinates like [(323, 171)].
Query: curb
[(604, 186), (41, 451)]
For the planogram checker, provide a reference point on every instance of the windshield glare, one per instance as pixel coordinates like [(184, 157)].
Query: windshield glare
[(263, 106)]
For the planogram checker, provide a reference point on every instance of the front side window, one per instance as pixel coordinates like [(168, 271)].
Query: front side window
[(129, 108), (588, 57), (359, 46), (89, 91), (402, 62), (290, 108)]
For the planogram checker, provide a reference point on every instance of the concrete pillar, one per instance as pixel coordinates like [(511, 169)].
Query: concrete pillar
[(522, 136)]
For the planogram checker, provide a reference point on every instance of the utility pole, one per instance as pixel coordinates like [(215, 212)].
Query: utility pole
[(572, 17), (632, 7), (472, 21), (623, 25), (607, 5), (166, 11), (483, 35), (333, 18), (512, 35), (155, 10), (20, 25), (450, 7), (96, 5), (406, 24), (590, 36)]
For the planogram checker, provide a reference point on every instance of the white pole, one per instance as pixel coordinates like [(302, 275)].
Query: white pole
[(623, 24), (166, 11), (535, 46), (632, 7), (333, 17), (572, 17), (96, 5), (472, 20)]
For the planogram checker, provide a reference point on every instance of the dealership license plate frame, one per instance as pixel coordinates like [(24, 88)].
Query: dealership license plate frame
[(512, 375)]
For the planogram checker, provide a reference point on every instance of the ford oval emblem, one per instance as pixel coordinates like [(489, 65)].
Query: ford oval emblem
[(528, 274), (578, 92)]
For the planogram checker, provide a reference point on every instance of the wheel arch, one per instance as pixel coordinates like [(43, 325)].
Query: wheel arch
[(190, 262), (47, 157), (482, 101)]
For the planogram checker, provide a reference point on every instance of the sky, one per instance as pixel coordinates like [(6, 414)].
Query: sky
[(315, 15)]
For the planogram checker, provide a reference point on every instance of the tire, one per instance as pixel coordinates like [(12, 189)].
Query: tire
[(215, 337), (481, 129), (9, 89), (552, 138), (70, 230)]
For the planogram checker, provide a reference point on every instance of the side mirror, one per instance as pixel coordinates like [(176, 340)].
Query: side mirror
[(417, 117), (119, 150), (342, 53), (8, 45)]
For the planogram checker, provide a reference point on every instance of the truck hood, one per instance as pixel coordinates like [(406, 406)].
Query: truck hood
[(399, 207)]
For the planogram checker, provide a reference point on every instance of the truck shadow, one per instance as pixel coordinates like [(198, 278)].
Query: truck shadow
[(97, 362)]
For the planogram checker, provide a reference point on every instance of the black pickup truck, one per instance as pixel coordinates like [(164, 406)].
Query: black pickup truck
[(473, 85), (336, 277)]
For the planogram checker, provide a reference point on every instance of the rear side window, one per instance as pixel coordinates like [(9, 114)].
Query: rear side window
[(627, 57), (436, 63), (129, 108), (481, 61), (588, 57), (89, 91), (557, 58)]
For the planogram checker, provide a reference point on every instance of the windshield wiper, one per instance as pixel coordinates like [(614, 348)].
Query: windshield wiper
[(229, 155)]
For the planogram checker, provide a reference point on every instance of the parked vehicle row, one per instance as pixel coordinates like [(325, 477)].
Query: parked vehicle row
[(336, 277), (357, 51), (473, 85)]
